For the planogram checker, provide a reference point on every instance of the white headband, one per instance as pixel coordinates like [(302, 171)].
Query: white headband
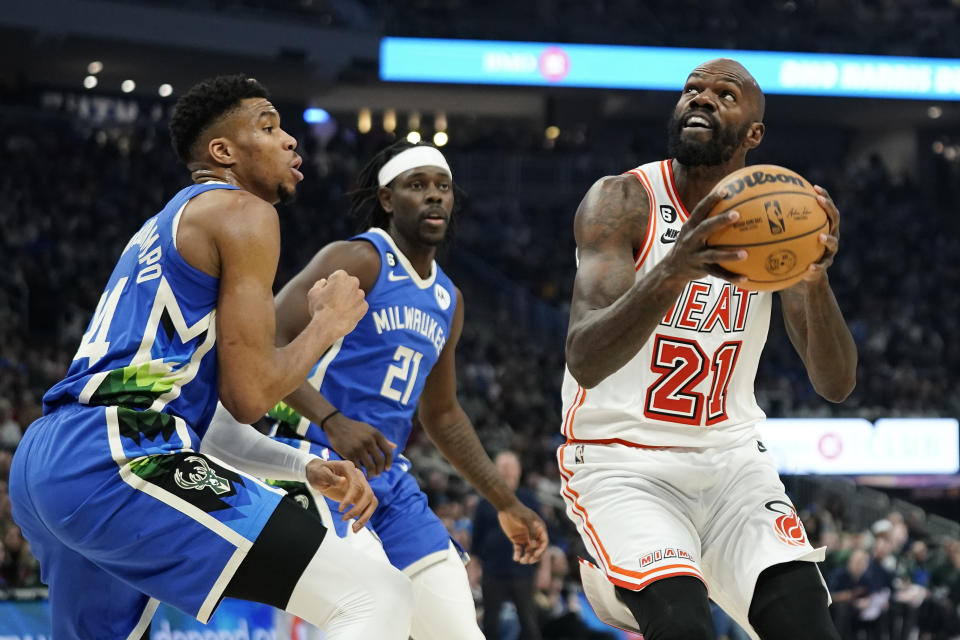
[(419, 156)]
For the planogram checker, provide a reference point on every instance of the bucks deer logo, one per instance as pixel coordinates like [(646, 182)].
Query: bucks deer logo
[(201, 477)]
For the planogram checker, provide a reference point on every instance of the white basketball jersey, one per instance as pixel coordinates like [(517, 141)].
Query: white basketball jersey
[(691, 385)]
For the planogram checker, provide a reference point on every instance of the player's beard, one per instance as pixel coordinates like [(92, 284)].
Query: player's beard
[(694, 153), (286, 196)]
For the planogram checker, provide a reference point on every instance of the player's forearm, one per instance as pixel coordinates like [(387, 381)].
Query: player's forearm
[(245, 448), (455, 437), (309, 403), (604, 340), (294, 361), (282, 371), (820, 334)]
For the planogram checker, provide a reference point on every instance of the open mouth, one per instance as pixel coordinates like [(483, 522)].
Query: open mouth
[(697, 121)]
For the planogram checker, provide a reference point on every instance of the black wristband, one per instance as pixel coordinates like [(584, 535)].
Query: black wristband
[(330, 415)]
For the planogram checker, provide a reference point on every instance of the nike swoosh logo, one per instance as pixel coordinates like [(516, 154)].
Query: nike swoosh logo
[(392, 277), (665, 240)]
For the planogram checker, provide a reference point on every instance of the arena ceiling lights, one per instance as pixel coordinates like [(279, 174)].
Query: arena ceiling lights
[(661, 68)]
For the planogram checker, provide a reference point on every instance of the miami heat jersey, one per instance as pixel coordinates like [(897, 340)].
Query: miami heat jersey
[(376, 372), (150, 346), (691, 385)]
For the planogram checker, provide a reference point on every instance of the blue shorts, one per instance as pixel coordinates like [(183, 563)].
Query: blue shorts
[(115, 535), (412, 535)]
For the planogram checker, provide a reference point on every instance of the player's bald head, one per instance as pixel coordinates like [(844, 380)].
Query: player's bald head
[(734, 72)]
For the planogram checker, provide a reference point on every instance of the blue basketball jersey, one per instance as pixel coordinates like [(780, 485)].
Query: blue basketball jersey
[(376, 373), (150, 346)]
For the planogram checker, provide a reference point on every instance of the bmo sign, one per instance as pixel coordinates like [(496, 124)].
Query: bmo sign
[(857, 446)]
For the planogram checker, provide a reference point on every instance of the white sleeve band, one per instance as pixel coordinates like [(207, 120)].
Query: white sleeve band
[(245, 448)]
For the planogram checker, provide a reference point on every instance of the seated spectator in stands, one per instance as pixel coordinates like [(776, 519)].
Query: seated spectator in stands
[(938, 617), (861, 593), (912, 583)]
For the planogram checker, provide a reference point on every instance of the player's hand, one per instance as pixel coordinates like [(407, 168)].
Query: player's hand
[(340, 480), (829, 240), (690, 257), (360, 443), (526, 531), (341, 300)]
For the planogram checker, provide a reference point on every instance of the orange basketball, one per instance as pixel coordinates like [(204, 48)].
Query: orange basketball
[(779, 226)]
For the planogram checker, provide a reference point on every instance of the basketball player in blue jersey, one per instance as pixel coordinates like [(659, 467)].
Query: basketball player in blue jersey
[(663, 473), (401, 359), (110, 487)]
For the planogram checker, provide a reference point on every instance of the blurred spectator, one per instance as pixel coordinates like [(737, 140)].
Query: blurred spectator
[(10, 432), (503, 579), (861, 593)]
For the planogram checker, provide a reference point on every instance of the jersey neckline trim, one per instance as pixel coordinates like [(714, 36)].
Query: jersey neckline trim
[(670, 183), (405, 262), (177, 257)]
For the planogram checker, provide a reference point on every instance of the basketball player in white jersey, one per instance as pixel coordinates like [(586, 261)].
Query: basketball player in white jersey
[(663, 473)]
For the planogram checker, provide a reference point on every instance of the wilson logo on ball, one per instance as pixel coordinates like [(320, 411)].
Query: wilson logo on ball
[(757, 178)]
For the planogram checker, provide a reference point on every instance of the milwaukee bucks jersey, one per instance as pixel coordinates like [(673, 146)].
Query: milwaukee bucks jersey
[(376, 373), (149, 348)]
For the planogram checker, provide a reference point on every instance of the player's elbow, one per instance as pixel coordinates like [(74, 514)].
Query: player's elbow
[(584, 376), (581, 366), (246, 408), (583, 371), (839, 390)]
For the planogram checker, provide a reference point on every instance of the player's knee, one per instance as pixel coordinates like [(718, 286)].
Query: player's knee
[(395, 592), (671, 609), (665, 627), (443, 603), (790, 603)]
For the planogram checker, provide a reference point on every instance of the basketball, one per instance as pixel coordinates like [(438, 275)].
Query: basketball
[(779, 226)]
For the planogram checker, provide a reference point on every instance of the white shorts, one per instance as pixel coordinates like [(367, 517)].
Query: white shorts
[(720, 515)]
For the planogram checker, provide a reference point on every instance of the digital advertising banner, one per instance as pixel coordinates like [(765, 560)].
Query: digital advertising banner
[(662, 68)]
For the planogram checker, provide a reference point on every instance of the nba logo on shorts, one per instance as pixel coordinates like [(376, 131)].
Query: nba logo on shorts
[(578, 454)]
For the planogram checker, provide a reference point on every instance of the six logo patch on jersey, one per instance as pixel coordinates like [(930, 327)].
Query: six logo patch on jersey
[(668, 213)]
